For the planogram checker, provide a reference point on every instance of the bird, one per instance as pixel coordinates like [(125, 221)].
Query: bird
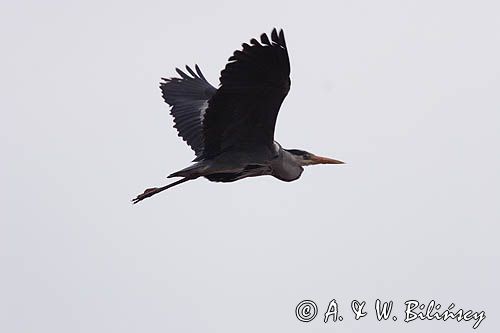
[(231, 128)]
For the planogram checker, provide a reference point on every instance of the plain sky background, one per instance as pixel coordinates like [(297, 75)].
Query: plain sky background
[(406, 92)]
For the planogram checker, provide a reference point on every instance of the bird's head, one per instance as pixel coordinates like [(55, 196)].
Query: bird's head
[(305, 158)]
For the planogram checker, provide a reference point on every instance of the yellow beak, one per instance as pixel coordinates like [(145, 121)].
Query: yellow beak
[(324, 160)]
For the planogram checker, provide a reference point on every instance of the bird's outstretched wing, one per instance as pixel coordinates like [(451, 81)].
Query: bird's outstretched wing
[(242, 113), (188, 96)]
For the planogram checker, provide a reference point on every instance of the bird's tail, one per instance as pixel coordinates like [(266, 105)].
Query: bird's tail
[(193, 171)]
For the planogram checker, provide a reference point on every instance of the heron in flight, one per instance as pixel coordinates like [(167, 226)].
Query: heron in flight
[(231, 129)]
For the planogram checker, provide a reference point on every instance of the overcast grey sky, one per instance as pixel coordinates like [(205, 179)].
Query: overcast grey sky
[(406, 92)]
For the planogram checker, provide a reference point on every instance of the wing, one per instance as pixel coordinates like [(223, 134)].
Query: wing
[(188, 96), (242, 113)]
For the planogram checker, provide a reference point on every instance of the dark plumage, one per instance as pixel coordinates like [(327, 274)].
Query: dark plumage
[(188, 96), (242, 114), (231, 129)]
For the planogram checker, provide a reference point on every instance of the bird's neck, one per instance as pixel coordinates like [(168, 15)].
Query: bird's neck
[(287, 167)]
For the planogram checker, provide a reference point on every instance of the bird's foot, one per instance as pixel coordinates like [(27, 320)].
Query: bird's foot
[(146, 194)]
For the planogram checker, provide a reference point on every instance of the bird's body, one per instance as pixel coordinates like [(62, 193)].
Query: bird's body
[(231, 129), (232, 166)]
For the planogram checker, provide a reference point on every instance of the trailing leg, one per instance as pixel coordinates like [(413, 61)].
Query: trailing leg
[(154, 190)]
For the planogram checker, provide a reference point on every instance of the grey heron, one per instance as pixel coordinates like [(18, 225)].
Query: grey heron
[(231, 129)]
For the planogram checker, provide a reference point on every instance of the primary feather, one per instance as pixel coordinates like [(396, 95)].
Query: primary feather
[(188, 96)]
